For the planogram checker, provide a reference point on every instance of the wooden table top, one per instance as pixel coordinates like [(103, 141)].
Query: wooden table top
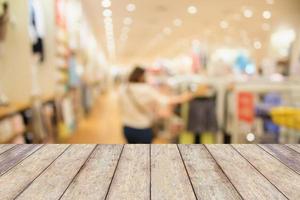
[(149, 172)]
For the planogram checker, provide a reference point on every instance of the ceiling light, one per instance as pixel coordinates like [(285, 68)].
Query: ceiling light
[(224, 24), (107, 13), (257, 45), (267, 14), (127, 21), (106, 3), (283, 38), (167, 31), (131, 7), (271, 2), (192, 10), (248, 13), (177, 22)]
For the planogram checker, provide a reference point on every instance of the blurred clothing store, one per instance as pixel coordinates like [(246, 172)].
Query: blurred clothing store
[(137, 71)]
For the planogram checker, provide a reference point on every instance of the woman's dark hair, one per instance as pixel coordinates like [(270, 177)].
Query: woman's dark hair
[(5, 6), (137, 75)]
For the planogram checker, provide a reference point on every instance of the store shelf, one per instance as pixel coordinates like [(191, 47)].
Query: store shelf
[(150, 172), (12, 108), (17, 107)]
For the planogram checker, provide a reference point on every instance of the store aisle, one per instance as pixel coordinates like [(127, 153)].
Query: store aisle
[(103, 126)]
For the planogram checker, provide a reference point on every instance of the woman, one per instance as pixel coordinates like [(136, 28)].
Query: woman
[(140, 102)]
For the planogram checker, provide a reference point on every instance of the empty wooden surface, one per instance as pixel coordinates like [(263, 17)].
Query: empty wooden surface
[(284, 154), (132, 176), (207, 177), (149, 172), (15, 155), (166, 182), (4, 148), (98, 171), (277, 173), (250, 183)]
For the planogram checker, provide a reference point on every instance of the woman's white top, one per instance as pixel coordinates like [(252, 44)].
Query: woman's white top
[(145, 96)]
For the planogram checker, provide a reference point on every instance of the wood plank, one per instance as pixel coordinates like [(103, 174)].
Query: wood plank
[(286, 155), (16, 180), (285, 179), (52, 183), (5, 147), (94, 179), (169, 178), (296, 147), (132, 177), (15, 155), (207, 178), (246, 179)]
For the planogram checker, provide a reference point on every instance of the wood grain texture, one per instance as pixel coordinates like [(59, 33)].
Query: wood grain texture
[(207, 178), (149, 172), (169, 178), (132, 177), (16, 154), (94, 179), (249, 182), (52, 183), (286, 155), (295, 147), (285, 179), (6, 147), (16, 180)]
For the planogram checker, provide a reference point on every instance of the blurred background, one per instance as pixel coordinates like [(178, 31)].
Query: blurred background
[(63, 63)]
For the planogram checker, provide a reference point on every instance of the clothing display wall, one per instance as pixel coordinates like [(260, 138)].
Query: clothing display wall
[(37, 29)]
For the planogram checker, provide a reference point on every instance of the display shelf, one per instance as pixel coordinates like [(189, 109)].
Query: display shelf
[(12, 108), (17, 107)]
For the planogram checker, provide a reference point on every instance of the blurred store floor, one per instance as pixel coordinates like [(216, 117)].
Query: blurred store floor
[(103, 125)]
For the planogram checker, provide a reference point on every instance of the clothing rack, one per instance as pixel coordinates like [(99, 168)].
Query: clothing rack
[(286, 88)]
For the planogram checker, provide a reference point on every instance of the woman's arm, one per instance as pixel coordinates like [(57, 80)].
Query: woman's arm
[(174, 100)]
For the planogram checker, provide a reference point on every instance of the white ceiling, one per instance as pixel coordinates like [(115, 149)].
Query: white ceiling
[(146, 40)]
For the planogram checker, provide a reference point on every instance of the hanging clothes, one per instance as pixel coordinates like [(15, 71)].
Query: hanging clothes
[(262, 110), (37, 28), (202, 115), (74, 78)]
